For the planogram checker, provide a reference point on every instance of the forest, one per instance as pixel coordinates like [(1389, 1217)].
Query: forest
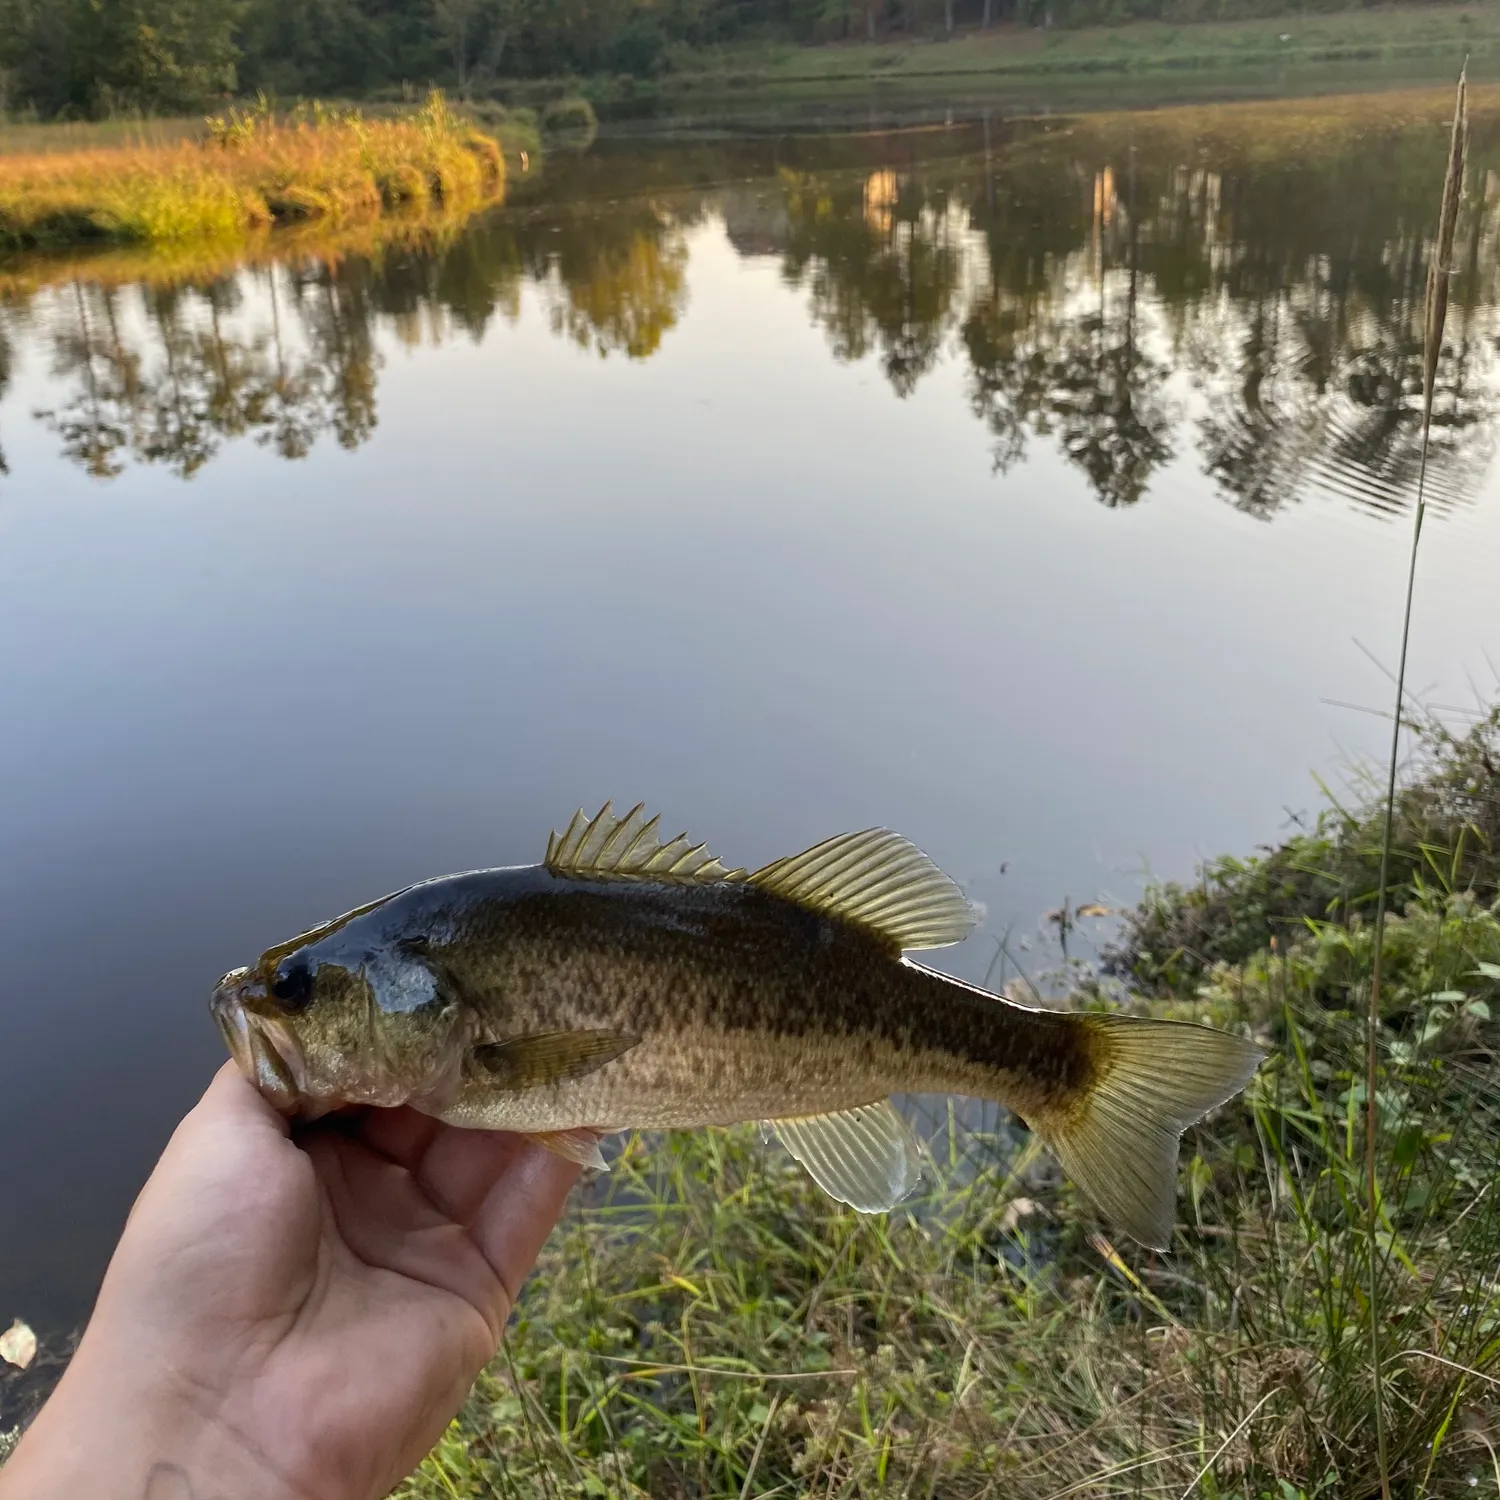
[(89, 58)]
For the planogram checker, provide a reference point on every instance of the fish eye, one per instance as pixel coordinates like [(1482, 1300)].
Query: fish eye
[(293, 987)]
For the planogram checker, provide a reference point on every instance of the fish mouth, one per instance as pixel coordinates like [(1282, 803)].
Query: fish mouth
[(263, 1049)]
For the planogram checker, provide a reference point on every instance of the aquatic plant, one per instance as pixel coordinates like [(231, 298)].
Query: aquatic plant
[(254, 169)]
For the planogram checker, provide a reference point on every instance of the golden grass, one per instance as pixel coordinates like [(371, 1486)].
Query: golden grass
[(252, 171)]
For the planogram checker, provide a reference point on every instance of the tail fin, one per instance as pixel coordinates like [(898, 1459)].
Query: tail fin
[(1154, 1079)]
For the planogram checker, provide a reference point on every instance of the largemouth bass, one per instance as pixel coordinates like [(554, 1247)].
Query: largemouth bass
[(626, 982)]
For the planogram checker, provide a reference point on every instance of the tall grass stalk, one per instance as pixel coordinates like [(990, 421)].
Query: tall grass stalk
[(1436, 311)]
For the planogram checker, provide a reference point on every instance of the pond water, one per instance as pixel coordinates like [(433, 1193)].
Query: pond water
[(1037, 487)]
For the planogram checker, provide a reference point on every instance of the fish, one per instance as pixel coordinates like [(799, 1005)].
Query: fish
[(633, 982)]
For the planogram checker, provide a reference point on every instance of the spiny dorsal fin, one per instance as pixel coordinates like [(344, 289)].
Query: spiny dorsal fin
[(878, 880), (866, 1157), (606, 847)]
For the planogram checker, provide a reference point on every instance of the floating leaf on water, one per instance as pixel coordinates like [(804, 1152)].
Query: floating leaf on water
[(1093, 909), (18, 1345)]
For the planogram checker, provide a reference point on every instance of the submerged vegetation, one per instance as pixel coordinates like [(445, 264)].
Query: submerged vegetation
[(254, 170)]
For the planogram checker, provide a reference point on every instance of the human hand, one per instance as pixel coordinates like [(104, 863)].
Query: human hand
[(293, 1317)]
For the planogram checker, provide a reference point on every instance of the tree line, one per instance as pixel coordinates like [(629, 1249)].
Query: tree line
[(92, 57)]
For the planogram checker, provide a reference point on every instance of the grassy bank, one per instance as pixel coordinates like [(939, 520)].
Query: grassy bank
[(1412, 42), (253, 170), (710, 1325)]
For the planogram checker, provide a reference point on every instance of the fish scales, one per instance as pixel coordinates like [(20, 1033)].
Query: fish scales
[(746, 1006)]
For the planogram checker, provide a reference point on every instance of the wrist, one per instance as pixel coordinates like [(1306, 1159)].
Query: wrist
[(112, 1436)]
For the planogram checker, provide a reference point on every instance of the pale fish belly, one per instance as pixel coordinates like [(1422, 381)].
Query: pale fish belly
[(691, 1078)]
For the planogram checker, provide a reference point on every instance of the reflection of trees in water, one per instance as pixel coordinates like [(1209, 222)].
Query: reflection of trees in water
[(7, 358), (1069, 362), (616, 286), (1283, 292), (1271, 430), (893, 265), (1317, 380), (289, 353), (881, 265), (167, 374), (1263, 294)]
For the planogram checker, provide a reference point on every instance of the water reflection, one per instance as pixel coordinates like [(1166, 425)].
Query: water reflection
[(159, 375), (1244, 283)]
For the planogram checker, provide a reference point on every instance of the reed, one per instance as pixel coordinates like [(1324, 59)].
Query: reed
[(1436, 312), (252, 171)]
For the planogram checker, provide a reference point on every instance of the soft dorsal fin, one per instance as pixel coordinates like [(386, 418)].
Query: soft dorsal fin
[(878, 880), (606, 847), (866, 1157)]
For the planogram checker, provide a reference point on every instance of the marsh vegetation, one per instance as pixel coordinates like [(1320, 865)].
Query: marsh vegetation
[(254, 170)]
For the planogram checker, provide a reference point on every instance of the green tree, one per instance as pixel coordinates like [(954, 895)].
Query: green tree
[(317, 47), (156, 56)]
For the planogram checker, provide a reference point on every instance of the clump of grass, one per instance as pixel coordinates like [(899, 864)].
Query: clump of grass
[(1445, 832), (253, 169), (570, 121), (707, 1324)]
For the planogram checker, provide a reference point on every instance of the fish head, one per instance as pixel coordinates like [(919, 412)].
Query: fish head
[(329, 1021)]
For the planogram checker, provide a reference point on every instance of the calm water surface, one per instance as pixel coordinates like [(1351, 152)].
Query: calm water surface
[(1035, 488)]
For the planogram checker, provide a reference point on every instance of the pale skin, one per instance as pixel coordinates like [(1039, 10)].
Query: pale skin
[(292, 1320)]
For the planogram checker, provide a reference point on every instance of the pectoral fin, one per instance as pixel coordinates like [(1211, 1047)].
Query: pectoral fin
[(544, 1057), (865, 1157)]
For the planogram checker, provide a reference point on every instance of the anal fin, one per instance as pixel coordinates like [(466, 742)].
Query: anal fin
[(866, 1157), (581, 1145)]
